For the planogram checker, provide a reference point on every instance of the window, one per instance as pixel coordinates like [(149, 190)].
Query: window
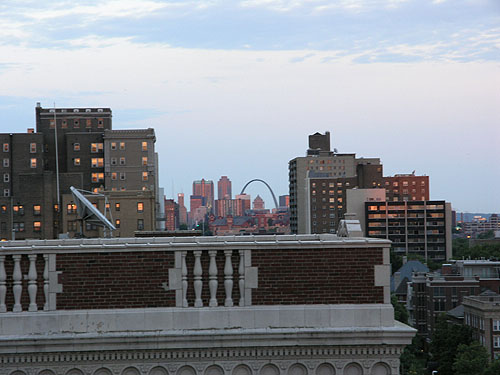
[(100, 123), (64, 124), (144, 160), (122, 160), (113, 145), (19, 227), (144, 176), (97, 177), (395, 183), (76, 146), (117, 206), (122, 175), (89, 123), (496, 325), (97, 162), (140, 224), (117, 223), (122, 145), (52, 124), (37, 209), (405, 183), (4, 209), (6, 177), (18, 209), (114, 175), (422, 183), (144, 146), (96, 147), (6, 162), (6, 192), (56, 208), (71, 208), (113, 161), (140, 207), (33, 148), (37, 226), (76, 124), (76, 161), (72, 226), (496, 341), (5, 147)]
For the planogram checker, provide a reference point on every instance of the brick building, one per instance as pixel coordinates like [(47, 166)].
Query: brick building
[(246, 305)]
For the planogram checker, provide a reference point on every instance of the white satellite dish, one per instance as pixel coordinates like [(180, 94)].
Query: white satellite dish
[(88, 212)]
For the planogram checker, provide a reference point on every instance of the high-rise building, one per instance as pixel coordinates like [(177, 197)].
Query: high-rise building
[(171, 215), (183, 219), (205, 189), (284, 201), (68, 149), (258, 203), (224, 188), (244, 204)]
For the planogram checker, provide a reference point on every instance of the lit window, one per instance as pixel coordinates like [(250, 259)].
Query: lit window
[(422, 183), (5, 147), (37, 209), (76, 161), (144, 160), (18, 209), (97, 177), (37, 226), (89, 123), (71, 208), (6, 162), (113, 145), (6, 177), (140, 207), (4, 209), (76, 146), (395, 183), (144, 146), (140, 224), (56, 208), (144, 176), (122, 145), (96, 147), (114, 176), (405, 183), (33, 162), (97, 162), (122, 160), (33, 148), (117, 223), (117, 206)]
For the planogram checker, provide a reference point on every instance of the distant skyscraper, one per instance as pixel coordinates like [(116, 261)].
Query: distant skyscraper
[(182, 209), (258, 203), (284, 200), (245, 205), (224, 188), (205, 189), (171, 216)]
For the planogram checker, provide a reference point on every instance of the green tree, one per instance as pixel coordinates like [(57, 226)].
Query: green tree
[(446, 339), (470, 359), (400, 313), (486, 235), (183, 227), (414, 358), (396, 261), (493, 368)]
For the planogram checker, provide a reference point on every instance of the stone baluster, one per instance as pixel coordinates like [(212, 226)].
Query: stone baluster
[(198, 283), (3, 286), (17, 288), (228, 278), (184, 273), (32, 287), (212, 283), (46, 282), (241, 276)]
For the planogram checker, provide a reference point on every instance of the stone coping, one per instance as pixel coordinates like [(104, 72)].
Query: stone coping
[(275, 242), (342, 316)]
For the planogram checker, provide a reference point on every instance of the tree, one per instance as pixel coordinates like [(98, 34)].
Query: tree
[(486, 235), (183, 227), (493, 368), (414, 358), (470, 359), (445, 341), (400, 313)]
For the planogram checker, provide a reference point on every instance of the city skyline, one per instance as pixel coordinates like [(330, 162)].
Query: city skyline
[(234, 88)]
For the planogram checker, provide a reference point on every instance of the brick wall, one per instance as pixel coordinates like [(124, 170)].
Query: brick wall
[(136, 279)]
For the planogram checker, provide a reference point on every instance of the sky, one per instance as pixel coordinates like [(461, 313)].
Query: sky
[(235, 87)]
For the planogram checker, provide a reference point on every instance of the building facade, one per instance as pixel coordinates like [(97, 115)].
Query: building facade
[(224, 190), (237, 305)]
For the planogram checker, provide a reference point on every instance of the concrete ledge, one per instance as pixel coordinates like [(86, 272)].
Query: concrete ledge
[(166, 319)]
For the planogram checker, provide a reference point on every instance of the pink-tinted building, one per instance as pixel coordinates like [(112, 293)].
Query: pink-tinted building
[(224, 188)]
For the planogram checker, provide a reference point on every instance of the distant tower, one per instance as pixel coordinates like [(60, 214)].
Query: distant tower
[(204, 188), (224, 188), (258, 203), (182, 209)]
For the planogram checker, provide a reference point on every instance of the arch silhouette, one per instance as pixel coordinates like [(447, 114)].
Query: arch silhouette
[(265, 183)]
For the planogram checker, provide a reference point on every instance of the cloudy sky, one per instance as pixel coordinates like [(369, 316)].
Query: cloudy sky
[(234, 87)]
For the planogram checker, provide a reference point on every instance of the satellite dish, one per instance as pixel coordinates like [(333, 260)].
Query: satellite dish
[(88, 212)]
